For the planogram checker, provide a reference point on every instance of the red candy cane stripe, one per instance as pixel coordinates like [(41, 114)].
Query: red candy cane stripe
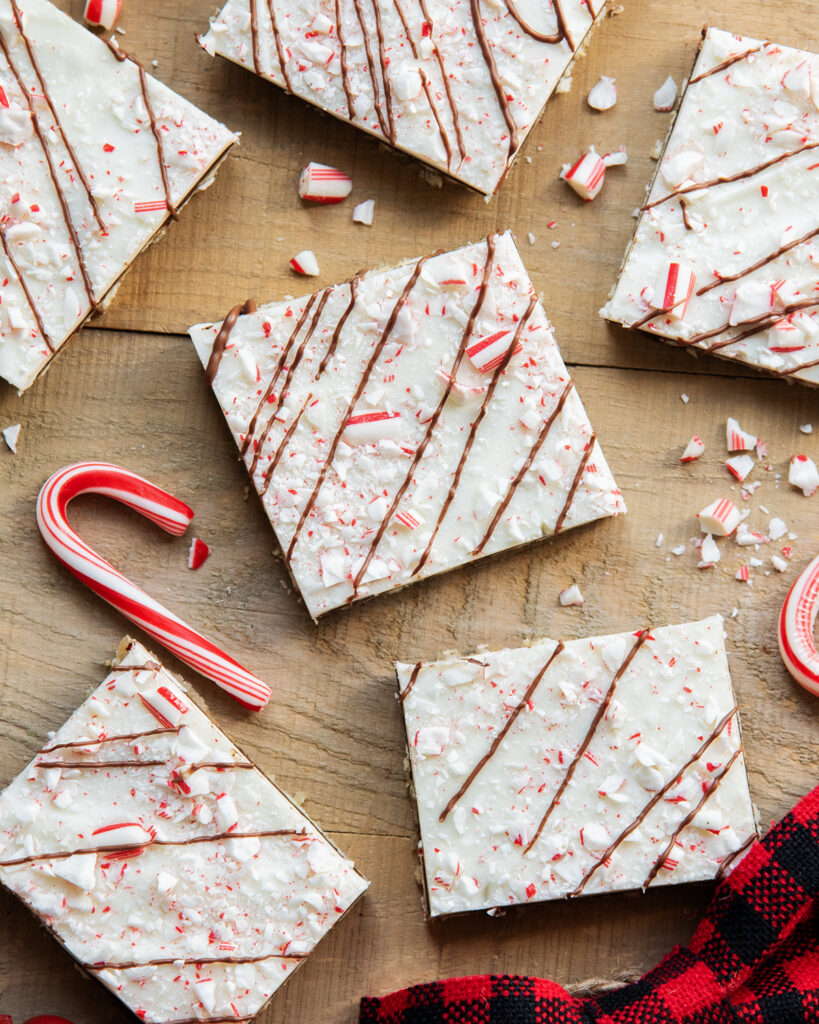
[(796, 621), (171, 515)]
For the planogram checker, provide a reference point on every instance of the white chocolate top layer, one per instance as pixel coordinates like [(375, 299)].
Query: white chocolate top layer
[(455, 83), (374, 467), (100, 105), (599, 765), (230, 885), (736, 117)]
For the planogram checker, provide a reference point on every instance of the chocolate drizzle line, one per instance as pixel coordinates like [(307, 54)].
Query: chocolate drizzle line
[(111, 739), (581, 750), (251, 427), (279, 48), (130, 965), (29, 298), (510, 721), (726, 64), (254, 37), (473, 430), (102, 765), (652, 803), (64, 854), (726, 180), (445, 77), (688, 819), (524, 469), (729, 860), (328, 355), (35, 122), (283, 445), (223, 337), (382, 57), (345, 70), (371, 68), (555, 37), (402, 696), (376, 352), (425, 85), (497, 84), (121, 56), (575, 484), (92, 202), (433, 421), (760, 263), (284, 388)]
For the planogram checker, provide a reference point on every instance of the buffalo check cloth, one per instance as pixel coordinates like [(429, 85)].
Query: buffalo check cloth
[(754, 958)]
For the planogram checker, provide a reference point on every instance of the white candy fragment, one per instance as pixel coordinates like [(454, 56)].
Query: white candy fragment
[(803, 474), (693, 450), (603, 95), (739, 466), (586, 175), (10, 435), (721, 518), (777, 528), (619, 158), (779, 563), (102, 13), (676, 286), (205, 989), (363, 213), (665, 96), (322, 184), (80, 870), (737, 439), (227, 816), (431, 740), (571, 596), (306, 263), (16, 127), (806, 428), (709, 552)]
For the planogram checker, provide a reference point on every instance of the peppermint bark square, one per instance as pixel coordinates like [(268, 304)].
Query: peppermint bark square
[(457, 84), (95, 156), (725, 252), (566, 769), (407, 422), (162, 859)]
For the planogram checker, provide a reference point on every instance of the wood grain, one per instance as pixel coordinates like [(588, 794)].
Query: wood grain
[(131, 391)]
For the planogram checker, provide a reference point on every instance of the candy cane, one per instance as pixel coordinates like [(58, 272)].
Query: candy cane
[(173, 516), (796, 621)]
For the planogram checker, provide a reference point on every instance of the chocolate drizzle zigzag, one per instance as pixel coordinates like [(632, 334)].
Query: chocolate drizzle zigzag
[(433, 420), (642, 636)]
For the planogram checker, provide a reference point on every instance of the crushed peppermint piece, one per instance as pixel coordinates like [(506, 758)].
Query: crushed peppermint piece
[(721, 518), (666, 95), (364, 212), (102, 13), (10, 435), (198, 554), (803, 474), (319, 183), (709, 552), (737, 439), (779, 563), (306, 263), (571, 596), (739, 466), (806, 428), (777, 528), (693, 450), (603, 95)]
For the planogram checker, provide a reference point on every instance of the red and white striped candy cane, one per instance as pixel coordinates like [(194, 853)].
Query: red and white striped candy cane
[(173, 516), (797, 643)]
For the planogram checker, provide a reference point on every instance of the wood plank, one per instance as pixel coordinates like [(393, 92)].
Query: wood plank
[(236, 238), (333, 734)]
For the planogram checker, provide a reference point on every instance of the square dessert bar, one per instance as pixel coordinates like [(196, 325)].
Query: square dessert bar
[(455, 83), (407, 422), (725, 253), (95, 156), (162, 859), (566, 769)]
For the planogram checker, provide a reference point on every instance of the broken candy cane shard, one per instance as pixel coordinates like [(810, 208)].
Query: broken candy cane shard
[(198, 554), (571, 596), (298, 875), (739, 466), (322, 184), (586, 175), (802, 473), (721, 517), (693, 450), (306, 263), (171, 515), (737, 439), (102, 13), (488, 353), (797, 619), (364, 212)]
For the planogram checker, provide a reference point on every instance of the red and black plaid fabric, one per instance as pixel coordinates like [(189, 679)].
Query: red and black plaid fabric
[(754, 959)]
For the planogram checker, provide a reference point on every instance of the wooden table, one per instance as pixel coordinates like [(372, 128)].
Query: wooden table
[(130, 390)]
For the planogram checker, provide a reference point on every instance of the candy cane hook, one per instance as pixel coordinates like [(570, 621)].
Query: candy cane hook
[(173, 516), (797, 643)]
